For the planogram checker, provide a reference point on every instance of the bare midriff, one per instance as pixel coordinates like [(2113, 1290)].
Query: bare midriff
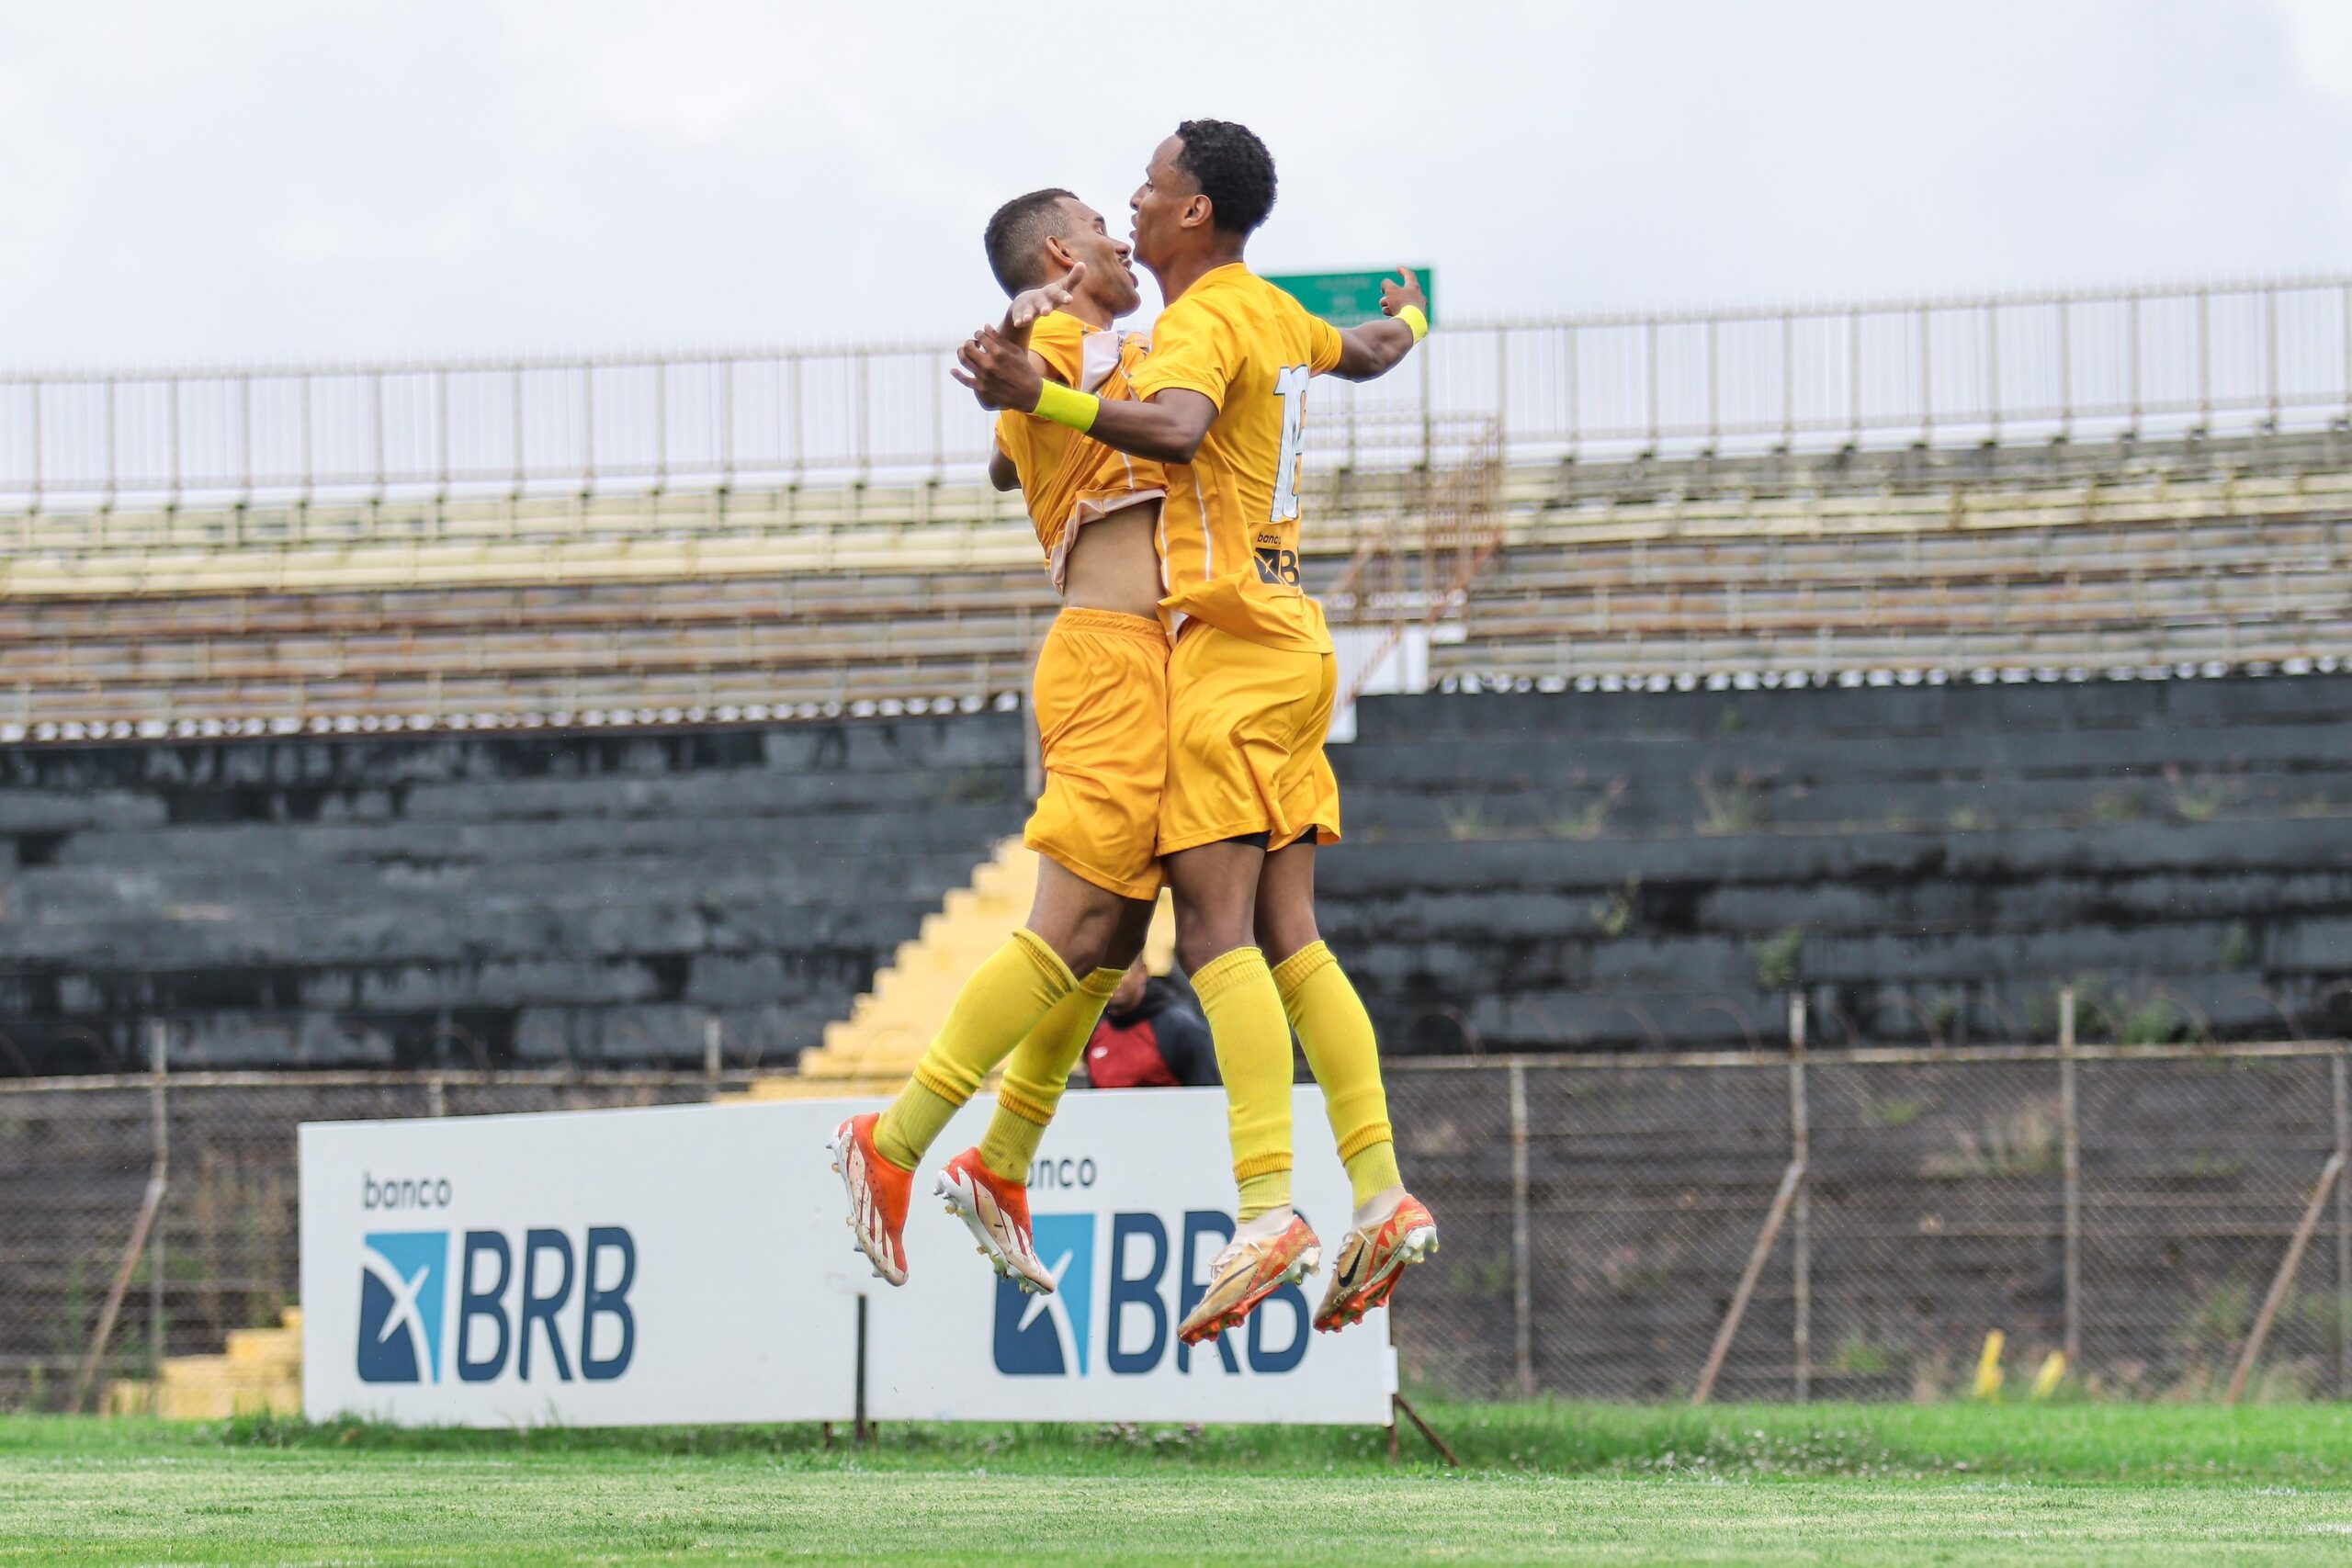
[(1115, 563)]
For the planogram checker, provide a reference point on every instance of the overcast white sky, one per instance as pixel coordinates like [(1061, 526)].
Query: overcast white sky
[(240, 179)]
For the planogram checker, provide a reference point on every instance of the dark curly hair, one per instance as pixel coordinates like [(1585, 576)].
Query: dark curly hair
[(1233, 169)]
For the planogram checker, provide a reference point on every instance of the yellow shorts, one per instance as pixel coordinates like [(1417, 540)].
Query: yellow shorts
[(1102, 704), (1246, 726)]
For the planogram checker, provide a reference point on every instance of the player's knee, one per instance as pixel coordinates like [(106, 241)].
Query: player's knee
[(1282, 932), (1094, 939), (1206, 943)]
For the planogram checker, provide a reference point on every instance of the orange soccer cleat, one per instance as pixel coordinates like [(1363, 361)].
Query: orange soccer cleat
[(996, 1213), (1246, 1274), (1371, 1259), (879, 1195)]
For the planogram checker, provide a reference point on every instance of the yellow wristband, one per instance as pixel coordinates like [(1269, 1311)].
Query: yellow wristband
[(1067, 405), (1412, 316)]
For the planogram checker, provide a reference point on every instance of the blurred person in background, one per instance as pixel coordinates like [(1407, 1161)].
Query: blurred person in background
[(1151, 1037)]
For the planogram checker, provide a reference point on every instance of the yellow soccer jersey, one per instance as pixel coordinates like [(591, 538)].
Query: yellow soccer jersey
[(1068, 480), (1230, 519)]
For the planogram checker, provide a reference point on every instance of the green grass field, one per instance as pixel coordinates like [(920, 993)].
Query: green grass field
[(1544, 1483)]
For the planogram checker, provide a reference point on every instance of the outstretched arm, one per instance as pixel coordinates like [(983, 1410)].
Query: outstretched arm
[(1169, 427), (1377, 347), (1022, 312)]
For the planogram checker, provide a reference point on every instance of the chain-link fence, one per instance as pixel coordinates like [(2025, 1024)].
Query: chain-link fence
[(79, 1156), (2133, 1207), (1873, 1214)]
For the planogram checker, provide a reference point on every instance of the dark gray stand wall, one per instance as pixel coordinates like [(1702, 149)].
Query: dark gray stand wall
[(523, 900), (1929, 863), (1542, 871)]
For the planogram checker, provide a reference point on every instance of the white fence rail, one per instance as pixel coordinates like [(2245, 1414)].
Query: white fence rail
[(2155, 362)]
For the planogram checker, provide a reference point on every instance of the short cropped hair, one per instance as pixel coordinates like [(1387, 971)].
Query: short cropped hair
[(1233, 169), (1014, 235)]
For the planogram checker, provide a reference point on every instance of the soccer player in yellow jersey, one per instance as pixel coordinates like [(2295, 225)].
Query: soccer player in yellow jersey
[(1220, 401), (1101, 698)]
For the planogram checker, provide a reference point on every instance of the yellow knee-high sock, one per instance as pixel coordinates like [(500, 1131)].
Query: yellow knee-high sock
[(998, 1005), (1336, 1033), (1037, 1072), (1245, 1014)]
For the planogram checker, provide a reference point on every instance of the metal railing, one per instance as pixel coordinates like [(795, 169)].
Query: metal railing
[(2161, 361)]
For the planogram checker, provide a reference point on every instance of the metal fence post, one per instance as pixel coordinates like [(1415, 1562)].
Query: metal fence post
[(1575, 403), (1788, 380), (2343, 1230), (159, 1112), (2066, 372), (1649, 381), (376, 429), (1854, 376), (2345, 311), (1429, 426), (587, 427), (1522, 1288), (713, 1037), (2204, 362), (1993, 369), (1927, 376), (1801, 1217), (2270, 348), (661, 424), (1502, 395), (2071, 1165), (2134, 329)]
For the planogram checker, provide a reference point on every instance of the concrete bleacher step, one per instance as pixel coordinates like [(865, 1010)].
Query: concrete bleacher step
[(596, 900), (554, 605), (872, 1050), (259, 1373)]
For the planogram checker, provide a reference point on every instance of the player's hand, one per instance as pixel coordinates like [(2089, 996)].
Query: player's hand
[(999, 371), (1047, 298), (1395, 296)]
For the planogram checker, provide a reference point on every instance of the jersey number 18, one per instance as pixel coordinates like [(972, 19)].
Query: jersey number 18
[(1290, 385)]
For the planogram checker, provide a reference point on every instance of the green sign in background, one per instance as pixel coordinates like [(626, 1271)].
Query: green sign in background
[(1348, 298)]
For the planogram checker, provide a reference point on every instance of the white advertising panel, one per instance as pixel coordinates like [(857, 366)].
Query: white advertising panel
[(1132, 1197), (595, 1268), (690, 1264)]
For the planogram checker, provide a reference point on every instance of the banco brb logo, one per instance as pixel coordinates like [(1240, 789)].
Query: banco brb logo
[(1046, 1335), (403, 1287), (538, 1292), (1053, 1335)]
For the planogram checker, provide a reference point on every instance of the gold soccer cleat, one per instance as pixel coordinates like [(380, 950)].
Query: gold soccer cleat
[(1246, 1274), (1371, 1259)]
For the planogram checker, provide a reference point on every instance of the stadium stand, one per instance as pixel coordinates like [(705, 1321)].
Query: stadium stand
[(482, 900), (1533, 871), (877, 1045), (2124, 555), (2160, 559), (259, 1372), (1691, 572)]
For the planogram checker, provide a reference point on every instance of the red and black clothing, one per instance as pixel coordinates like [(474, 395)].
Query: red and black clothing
[(1160, 1044)]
